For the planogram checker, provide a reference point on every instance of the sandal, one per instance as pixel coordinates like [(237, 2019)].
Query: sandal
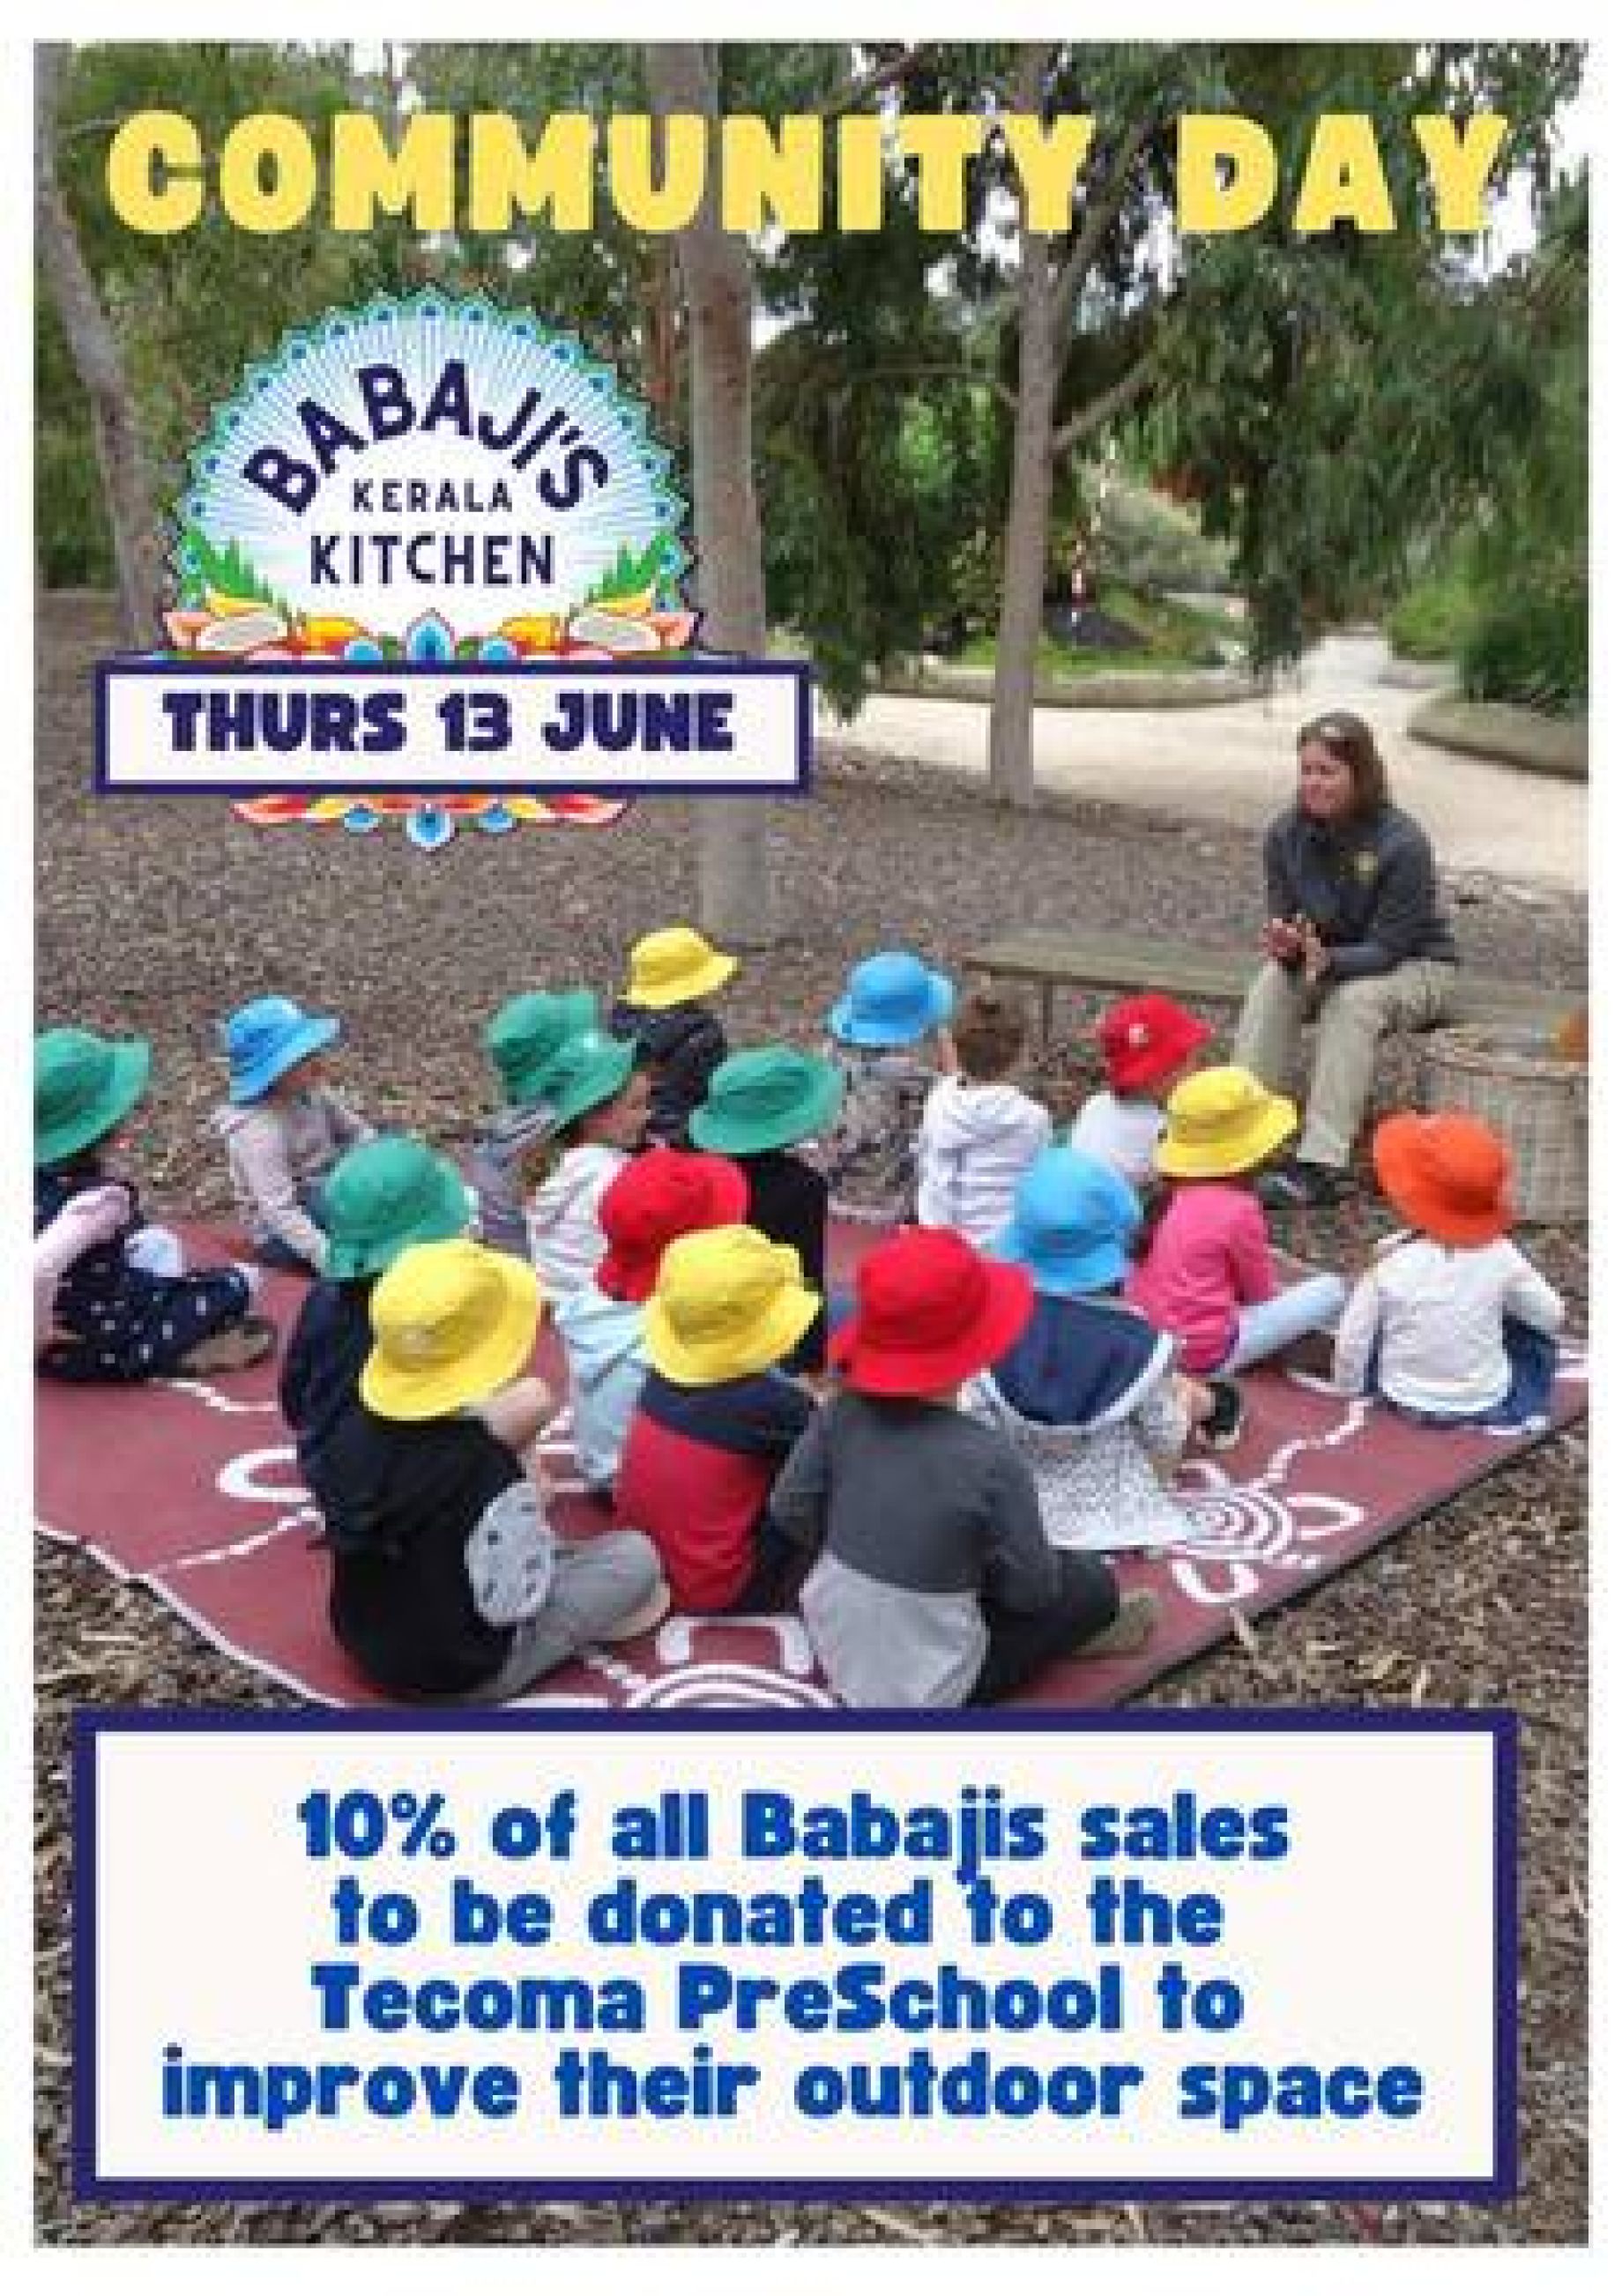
[(1226, 1422), (238, 1347), (1131, 1630)]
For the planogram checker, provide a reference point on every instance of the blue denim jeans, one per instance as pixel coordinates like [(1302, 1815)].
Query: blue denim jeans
[(1268, 1326), (1533, 1356)]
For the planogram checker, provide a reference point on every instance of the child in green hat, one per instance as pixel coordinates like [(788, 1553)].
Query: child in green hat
[(599, 1099), (113, 1319), (760, 1106), (523, 1039), (381, 1198)]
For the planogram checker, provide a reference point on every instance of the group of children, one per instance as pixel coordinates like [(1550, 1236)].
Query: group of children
[(931, 1467)]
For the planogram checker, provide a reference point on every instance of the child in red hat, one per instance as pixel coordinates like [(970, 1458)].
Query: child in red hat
[(1149, 1044), (1451, 1326), (934, 1585), (658, 1195)]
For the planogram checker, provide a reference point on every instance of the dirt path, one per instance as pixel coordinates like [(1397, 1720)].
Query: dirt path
[(1232, 763)]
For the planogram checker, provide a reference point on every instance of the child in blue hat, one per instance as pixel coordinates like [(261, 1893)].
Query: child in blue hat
[(887, 1039), (1088, 1394), (284, 1128)]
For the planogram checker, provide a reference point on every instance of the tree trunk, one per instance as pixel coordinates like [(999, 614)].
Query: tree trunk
[(137, 552), (735, 899), (660, 338), (1012, 754)]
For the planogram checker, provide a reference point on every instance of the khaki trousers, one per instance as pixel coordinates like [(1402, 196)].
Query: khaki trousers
[(1351, 1016)]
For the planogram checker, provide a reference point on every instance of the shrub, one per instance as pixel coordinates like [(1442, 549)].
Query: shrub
[(1531, 649), (1431, 623), (1144, 541)]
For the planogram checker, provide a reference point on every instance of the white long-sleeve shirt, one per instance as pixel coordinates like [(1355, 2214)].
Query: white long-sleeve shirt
[(1122, 1132), (973, 1145), (1437, 1311), (566, 1238)]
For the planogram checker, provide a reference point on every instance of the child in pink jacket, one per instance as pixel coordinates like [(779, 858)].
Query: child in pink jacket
[(1208, 1275)]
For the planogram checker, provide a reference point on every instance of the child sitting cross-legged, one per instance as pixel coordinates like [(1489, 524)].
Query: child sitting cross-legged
[(1206, 1274), (121, 1306), (1149, 1044), (448, 1580), (382, 1197), (599, 1103), (717, 1418), (284, 1127), (1451, 1326), (664, 1012), (763, 1106), (1088, 1394), (523, 1039), (979, 1129), (934, 1584), (886, 1037), (658, 1195)]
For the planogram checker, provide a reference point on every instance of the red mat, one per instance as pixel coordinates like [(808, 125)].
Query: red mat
[(190, 1487)]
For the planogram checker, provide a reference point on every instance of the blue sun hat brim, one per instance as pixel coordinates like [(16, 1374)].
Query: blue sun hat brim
[(263, 1044), (1073, 1223), (892, 999)]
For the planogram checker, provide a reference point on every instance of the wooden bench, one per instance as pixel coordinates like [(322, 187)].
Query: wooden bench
[(1051, 961)]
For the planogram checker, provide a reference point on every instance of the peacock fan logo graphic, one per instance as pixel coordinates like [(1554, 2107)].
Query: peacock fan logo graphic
[(429, 570)]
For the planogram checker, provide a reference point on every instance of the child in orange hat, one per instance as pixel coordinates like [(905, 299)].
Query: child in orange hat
[(1451, 1326)]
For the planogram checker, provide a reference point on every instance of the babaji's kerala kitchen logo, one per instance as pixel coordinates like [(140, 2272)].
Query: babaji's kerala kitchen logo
[(430, 567)]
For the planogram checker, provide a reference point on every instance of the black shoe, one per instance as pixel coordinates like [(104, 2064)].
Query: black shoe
[(1299, 1187), (1226, 1422)]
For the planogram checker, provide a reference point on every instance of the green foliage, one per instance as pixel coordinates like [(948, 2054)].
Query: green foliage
[(1176, 637), (1507, 601), (1332, 399), (1431, 622), (1531, 647), (72, 541), (1146, 543)]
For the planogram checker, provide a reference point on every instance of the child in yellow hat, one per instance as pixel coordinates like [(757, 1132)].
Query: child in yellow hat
[(1208, 1276), (448, 1578), (717, 1418), (665, 1010)]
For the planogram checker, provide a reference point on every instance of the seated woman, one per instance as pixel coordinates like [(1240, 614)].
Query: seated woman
[(1355, 940)]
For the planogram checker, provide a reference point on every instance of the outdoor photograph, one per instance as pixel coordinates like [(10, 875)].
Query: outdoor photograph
[(1039, 1165)]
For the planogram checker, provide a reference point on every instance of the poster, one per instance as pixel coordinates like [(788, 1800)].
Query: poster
[(920, 497)]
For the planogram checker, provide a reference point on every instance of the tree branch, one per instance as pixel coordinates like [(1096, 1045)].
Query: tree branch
[(862, 85), (1101, 211), (1109, 402), (1026, 93)]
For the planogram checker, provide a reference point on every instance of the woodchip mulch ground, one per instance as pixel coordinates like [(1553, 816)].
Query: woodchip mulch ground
[(158, 917)]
